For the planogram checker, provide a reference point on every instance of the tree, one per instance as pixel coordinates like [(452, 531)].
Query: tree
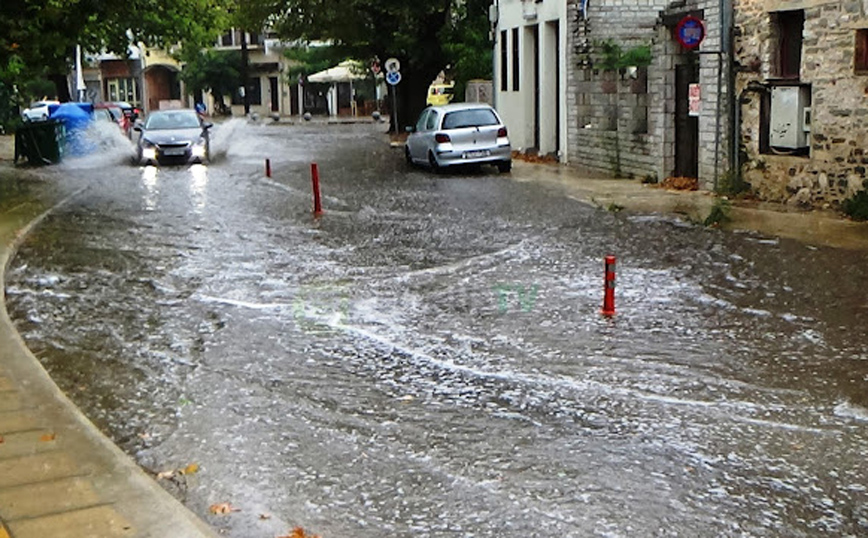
[(210, 70), (39, 37), (468, 45), (378, 29), (250, 16)]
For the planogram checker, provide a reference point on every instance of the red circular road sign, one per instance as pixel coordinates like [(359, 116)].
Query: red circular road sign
[(690, 32)]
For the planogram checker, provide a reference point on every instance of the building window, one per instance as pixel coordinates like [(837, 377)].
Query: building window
[(787, 27), (226, 39), (123, 89), (516, 60), (504, 61), (861, 59)]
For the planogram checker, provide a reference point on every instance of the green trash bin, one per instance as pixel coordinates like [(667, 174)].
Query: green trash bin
[(40, 142)]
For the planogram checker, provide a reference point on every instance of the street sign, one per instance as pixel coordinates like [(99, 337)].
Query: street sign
[(393, 65), (393, 77), (690, 32)]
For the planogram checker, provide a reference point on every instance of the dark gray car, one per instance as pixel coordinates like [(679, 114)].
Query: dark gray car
[(173, 137)]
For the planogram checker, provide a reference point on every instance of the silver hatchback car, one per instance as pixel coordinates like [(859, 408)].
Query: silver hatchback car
[(458, 134)]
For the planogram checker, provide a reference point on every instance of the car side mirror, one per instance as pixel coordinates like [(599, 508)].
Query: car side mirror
[(410, 129), (137, 127), (207, 125)]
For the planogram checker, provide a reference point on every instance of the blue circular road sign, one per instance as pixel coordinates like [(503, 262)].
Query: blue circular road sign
[(393, 77)]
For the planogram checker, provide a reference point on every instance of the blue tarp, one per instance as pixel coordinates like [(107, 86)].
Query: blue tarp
[(76, 117)]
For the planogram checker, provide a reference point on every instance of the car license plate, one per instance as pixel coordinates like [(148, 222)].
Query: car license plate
[(476, 154), (174, 151)]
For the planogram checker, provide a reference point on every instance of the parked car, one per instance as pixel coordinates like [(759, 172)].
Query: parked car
[(457, 134), (38, 110), (440, 94), (173, 136), (132, 113), (115, 114)]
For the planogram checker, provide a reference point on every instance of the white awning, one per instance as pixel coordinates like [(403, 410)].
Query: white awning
[(346, 71)]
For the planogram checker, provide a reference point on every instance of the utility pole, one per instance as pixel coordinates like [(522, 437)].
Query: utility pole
[(245, 71)]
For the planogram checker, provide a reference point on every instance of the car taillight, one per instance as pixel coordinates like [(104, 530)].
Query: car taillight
[(441, 138), (501, 133)]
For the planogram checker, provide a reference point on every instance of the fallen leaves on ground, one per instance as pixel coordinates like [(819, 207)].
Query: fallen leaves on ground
[(298, 532), (264, 516), (190, 469), (1, 439), (681, 183), (48, 437), (222, 508), (534, 158)]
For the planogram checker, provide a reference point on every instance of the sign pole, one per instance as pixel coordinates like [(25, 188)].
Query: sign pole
[(395, 108)]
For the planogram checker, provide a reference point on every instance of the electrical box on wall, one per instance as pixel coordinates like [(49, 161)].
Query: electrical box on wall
[(790, 123)]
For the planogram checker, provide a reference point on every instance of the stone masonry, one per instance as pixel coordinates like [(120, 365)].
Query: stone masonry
[(833, 168), (623, 122)]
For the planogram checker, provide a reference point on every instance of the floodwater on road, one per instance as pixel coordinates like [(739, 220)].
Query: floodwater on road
[(428, 358)]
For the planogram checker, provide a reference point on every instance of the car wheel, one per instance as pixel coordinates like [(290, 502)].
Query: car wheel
[(504, 167), (407, 156), (432, 161)]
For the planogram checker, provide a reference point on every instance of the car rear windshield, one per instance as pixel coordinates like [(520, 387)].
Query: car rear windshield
[(469, 118)]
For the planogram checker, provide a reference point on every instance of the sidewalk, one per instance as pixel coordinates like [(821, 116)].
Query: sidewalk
[(812, 227), (59, 476)]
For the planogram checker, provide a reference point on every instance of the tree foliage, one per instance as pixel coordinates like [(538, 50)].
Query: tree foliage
[(38, 37), (376, 30), (211, 70), (467, 44)]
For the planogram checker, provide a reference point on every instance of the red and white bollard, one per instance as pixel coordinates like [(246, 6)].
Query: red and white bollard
[(317, 202), (609, 290), (267, 167)]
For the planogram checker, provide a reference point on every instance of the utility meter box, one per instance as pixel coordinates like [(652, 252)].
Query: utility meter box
[(790, 122)]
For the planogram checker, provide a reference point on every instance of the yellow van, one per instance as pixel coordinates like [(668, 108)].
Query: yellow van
[(440, 94)]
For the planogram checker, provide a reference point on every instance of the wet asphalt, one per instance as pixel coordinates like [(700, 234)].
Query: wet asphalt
[(428, 358)]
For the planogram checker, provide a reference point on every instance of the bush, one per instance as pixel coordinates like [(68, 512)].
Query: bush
[(731, 183), (857, 206), (719, 213)]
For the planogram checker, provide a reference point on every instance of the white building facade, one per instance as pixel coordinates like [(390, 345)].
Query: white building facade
[(530, 66)]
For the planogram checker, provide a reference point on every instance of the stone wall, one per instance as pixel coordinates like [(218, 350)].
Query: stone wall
[(834, 169), (625, 124)]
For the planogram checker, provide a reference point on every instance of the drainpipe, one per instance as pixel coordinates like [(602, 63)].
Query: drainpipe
[(734, 100), (724, 47), (494, 19)]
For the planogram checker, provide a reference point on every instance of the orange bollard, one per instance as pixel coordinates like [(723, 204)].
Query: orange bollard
[(317, 203), (267, 167), (609, 291)]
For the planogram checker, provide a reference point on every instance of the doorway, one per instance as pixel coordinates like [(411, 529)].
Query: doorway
[(275, 94), (686, 126)]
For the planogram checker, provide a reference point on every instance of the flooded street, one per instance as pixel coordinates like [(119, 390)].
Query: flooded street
[(428, 359)]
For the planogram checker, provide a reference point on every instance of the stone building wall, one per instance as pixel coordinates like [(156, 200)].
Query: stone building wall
[(625, 125), (835, 165)]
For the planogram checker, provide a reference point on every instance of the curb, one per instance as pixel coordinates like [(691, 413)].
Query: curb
[(59, 475)]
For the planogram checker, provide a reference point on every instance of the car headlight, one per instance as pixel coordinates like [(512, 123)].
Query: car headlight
[(149, 150), (198, 149)]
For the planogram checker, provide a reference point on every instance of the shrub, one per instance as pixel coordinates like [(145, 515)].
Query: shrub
[(857, 206), (719, 213)]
